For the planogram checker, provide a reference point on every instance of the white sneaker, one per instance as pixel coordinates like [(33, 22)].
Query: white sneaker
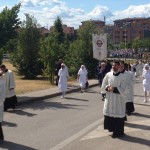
[(145, 100), (61, 97)]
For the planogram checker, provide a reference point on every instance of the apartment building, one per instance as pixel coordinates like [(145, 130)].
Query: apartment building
[(67, 30), (98, 23), (126, 30)]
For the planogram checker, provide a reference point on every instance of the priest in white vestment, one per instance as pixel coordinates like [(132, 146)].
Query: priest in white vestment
[(129, 81), (10, 96), (114, 104)]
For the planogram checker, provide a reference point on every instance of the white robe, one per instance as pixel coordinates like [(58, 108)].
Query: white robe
[(2, 97), (10, 84), (63, 78), (137, 69), (146, 80), (114, 105), (129, 81), (82, 73)]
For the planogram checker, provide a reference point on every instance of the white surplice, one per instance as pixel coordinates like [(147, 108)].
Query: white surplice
[(10, 84), (114, 105)]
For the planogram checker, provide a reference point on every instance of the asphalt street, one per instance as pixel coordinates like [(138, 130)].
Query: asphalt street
[(74, 123)]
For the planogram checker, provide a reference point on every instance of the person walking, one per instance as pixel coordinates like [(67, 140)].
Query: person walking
[(63, 78), (58, 66), (82, 77), (130, 86), (101, 74), (2, 98), (146, 82), (114, 104), (10, 96)]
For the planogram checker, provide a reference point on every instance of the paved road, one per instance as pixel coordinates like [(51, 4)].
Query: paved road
[(74, 123)]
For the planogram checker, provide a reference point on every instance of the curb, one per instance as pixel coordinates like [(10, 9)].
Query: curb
[(35, 99)]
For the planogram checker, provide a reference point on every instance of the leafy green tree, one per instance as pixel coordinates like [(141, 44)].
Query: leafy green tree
[(81, 50), (58, 30), (26, 59), (53, 47), (9, 23), (48, 56)]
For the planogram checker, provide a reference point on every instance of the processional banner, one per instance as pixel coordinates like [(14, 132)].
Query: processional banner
[(99, 46)]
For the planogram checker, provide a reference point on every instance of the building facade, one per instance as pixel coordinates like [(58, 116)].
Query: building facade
[(126, 30), (67, 30), (98, 23)]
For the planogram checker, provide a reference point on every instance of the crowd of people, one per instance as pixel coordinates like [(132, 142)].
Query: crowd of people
[(129, 53), (117, 89), (116, 80)]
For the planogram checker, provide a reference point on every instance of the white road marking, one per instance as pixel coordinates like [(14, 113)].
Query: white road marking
[(75, 136)]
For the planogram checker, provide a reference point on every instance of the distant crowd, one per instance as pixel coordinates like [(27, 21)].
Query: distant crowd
[(129, 53)]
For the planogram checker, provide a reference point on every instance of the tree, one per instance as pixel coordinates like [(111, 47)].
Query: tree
[(58, 30), (81, 50), (26, 59), (49, 56), (53, 47), (9, 23)]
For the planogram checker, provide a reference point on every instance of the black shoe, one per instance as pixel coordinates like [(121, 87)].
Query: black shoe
[(2, 139), (128, 113), (13, 107), (5, 109), (103, 99), (117, 135)]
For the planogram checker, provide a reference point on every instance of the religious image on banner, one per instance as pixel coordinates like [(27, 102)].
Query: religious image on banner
[(99, 46)]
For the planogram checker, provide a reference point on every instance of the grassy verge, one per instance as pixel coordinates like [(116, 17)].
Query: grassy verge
[(24, 85)]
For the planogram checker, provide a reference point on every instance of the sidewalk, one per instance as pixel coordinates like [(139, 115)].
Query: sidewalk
[(51, 92)]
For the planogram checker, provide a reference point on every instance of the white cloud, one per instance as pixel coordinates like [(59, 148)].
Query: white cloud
[(32, 3), (99, 12), (133, 11), (46, 11)]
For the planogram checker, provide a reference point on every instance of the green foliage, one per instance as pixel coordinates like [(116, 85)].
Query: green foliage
[(58, 30), (81, 50), (26, 59), (53, 47), (9, 22), (49, 55), (141, 43)]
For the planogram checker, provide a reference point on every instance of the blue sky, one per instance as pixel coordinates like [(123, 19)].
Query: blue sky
[(73, 12)]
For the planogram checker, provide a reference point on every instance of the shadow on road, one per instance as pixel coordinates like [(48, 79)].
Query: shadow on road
[(9, 124), (141, 115), (71, 98), (22, 113), (136, 140), (137, 126), (52, 105), (142, 104), (14, 146)]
